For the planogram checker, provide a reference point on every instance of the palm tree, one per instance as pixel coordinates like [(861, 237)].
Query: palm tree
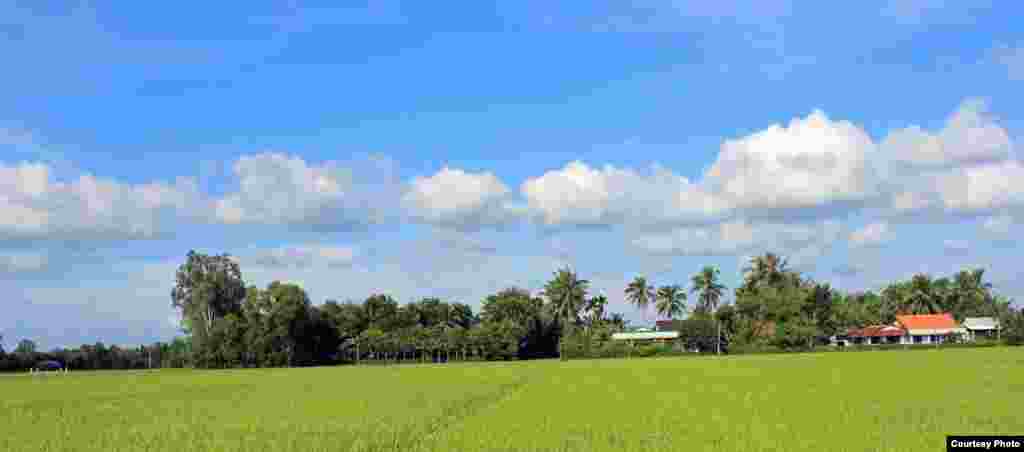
[(769, 268), (566, 292), (709, 290), (595, 306), (640, 294), (971, 291), (921, 297), (671, 301)]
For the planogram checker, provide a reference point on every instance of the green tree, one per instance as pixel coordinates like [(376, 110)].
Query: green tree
[(595, 307), (768, 269), (640, 294), (207, 288), (921, 296), (566, 293), (709, 290), (671, 301)]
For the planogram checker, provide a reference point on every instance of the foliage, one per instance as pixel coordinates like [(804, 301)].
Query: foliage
[(671, 301), (709, 290)]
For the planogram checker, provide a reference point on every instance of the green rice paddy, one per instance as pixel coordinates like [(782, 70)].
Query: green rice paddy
[(886, 401)]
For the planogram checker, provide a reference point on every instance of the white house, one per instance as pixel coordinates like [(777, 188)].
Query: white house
[(928, 328), (907, 329), (656, 336), (980, 327)]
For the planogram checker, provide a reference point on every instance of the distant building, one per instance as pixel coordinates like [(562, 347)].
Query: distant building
[(907, 329), (980, 327), (874, 335), (664, 325), (928, 328), (646, 336)]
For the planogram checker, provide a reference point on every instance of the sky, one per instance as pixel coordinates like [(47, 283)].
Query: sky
[(420, 150)]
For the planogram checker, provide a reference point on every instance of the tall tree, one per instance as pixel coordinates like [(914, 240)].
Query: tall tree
[(671, 301), (921, 297), (769, 269), (207, 288), (596, 306), (640, 294), (709, 290), (567, 293)]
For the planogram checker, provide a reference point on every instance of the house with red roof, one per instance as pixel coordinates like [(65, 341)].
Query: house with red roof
[(928, 328), (907, 329)]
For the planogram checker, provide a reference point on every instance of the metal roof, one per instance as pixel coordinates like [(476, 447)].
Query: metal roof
[(646, 335), (981, 323)]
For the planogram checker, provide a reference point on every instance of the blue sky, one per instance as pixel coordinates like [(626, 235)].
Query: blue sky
[(419, 150)]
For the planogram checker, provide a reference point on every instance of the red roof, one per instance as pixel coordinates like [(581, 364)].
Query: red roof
[(927, 321), (877, 331), (663, 325)]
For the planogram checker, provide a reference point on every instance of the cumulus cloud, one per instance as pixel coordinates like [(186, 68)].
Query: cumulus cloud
[(967, 167), (970, 135), (458, 198), (580, 194), (869, 235), (812, 161), (276, 188), (34, 205)]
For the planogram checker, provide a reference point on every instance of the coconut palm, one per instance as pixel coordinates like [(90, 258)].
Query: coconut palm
[(921, 297), (671, 301), (596, 306), (640, 294), (971, 292), (709, 291), (769, 268), (567, 293)]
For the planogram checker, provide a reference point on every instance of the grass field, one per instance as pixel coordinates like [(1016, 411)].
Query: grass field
[(834, 401)]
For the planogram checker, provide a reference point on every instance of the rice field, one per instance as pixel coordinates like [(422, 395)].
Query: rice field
[(886, 401)]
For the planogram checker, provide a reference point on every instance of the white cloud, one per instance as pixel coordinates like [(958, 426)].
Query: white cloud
[(970, 135), (985, 187), (276, 188), (813, 161), (579, 194), (33, 205), (456, 197), (871, 234)]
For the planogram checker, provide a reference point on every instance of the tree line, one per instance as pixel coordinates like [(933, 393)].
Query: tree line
[(228, 324)]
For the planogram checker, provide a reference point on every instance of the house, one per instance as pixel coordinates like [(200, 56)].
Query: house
[(927, 328), (663, 325), (873, 335), (980, 327), (907, 329), (646, 336)]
